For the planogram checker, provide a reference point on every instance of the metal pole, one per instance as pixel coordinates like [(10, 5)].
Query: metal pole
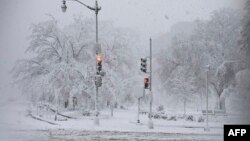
[(96, 19), (184, 106), (139, 103), (207, 128), (150, 88), (96, 99), (96, 95), (150, 122), (138, 115), (112, 108), (56, 105), (207, 97), (96, 120)]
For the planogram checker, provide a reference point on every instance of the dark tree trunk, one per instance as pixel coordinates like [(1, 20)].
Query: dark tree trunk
[(222, 103)]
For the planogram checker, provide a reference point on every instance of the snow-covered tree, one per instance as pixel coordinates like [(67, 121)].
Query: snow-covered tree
[(64, 60), (219, 36), (212, 42), (245, 41)]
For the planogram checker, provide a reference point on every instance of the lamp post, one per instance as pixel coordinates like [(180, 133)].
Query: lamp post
[(96, 9), (207, 70)]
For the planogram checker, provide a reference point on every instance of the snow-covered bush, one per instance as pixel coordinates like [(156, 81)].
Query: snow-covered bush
[(86, 113), (172, 118), (157, 116), (160, 108), (190, 118), (201, 119), (164, 116), (122, 107)]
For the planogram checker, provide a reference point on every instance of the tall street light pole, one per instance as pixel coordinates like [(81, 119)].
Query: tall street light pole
[(96, 9), (207, 70)]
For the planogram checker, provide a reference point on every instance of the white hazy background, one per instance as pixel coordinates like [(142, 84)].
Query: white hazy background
[(147, 17)]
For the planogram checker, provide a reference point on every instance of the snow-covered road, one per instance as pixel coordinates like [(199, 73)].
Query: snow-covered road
[(83, 135), (15, 124)]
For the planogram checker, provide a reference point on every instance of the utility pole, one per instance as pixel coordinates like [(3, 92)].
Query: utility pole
[(148, 84), (150, 122), (207, 70)]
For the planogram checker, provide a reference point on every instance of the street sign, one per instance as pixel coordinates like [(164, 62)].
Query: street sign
[(98, 81), (102, 73)]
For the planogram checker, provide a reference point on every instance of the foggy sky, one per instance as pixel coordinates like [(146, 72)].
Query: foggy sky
[(147, 17)]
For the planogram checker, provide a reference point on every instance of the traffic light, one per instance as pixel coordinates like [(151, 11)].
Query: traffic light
[(99, 63), (144, 65), (146, 83)]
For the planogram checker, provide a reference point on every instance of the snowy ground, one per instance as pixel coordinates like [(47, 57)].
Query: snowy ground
[(15, 124), (83, 135)]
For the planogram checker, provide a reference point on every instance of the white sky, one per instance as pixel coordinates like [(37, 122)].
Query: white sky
[(147, 17)]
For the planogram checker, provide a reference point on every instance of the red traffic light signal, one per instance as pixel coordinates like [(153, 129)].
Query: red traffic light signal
[(99, 59), (146, 83), (99, 63)]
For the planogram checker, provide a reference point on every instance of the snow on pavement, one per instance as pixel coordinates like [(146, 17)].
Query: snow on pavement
[(15, 124)]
